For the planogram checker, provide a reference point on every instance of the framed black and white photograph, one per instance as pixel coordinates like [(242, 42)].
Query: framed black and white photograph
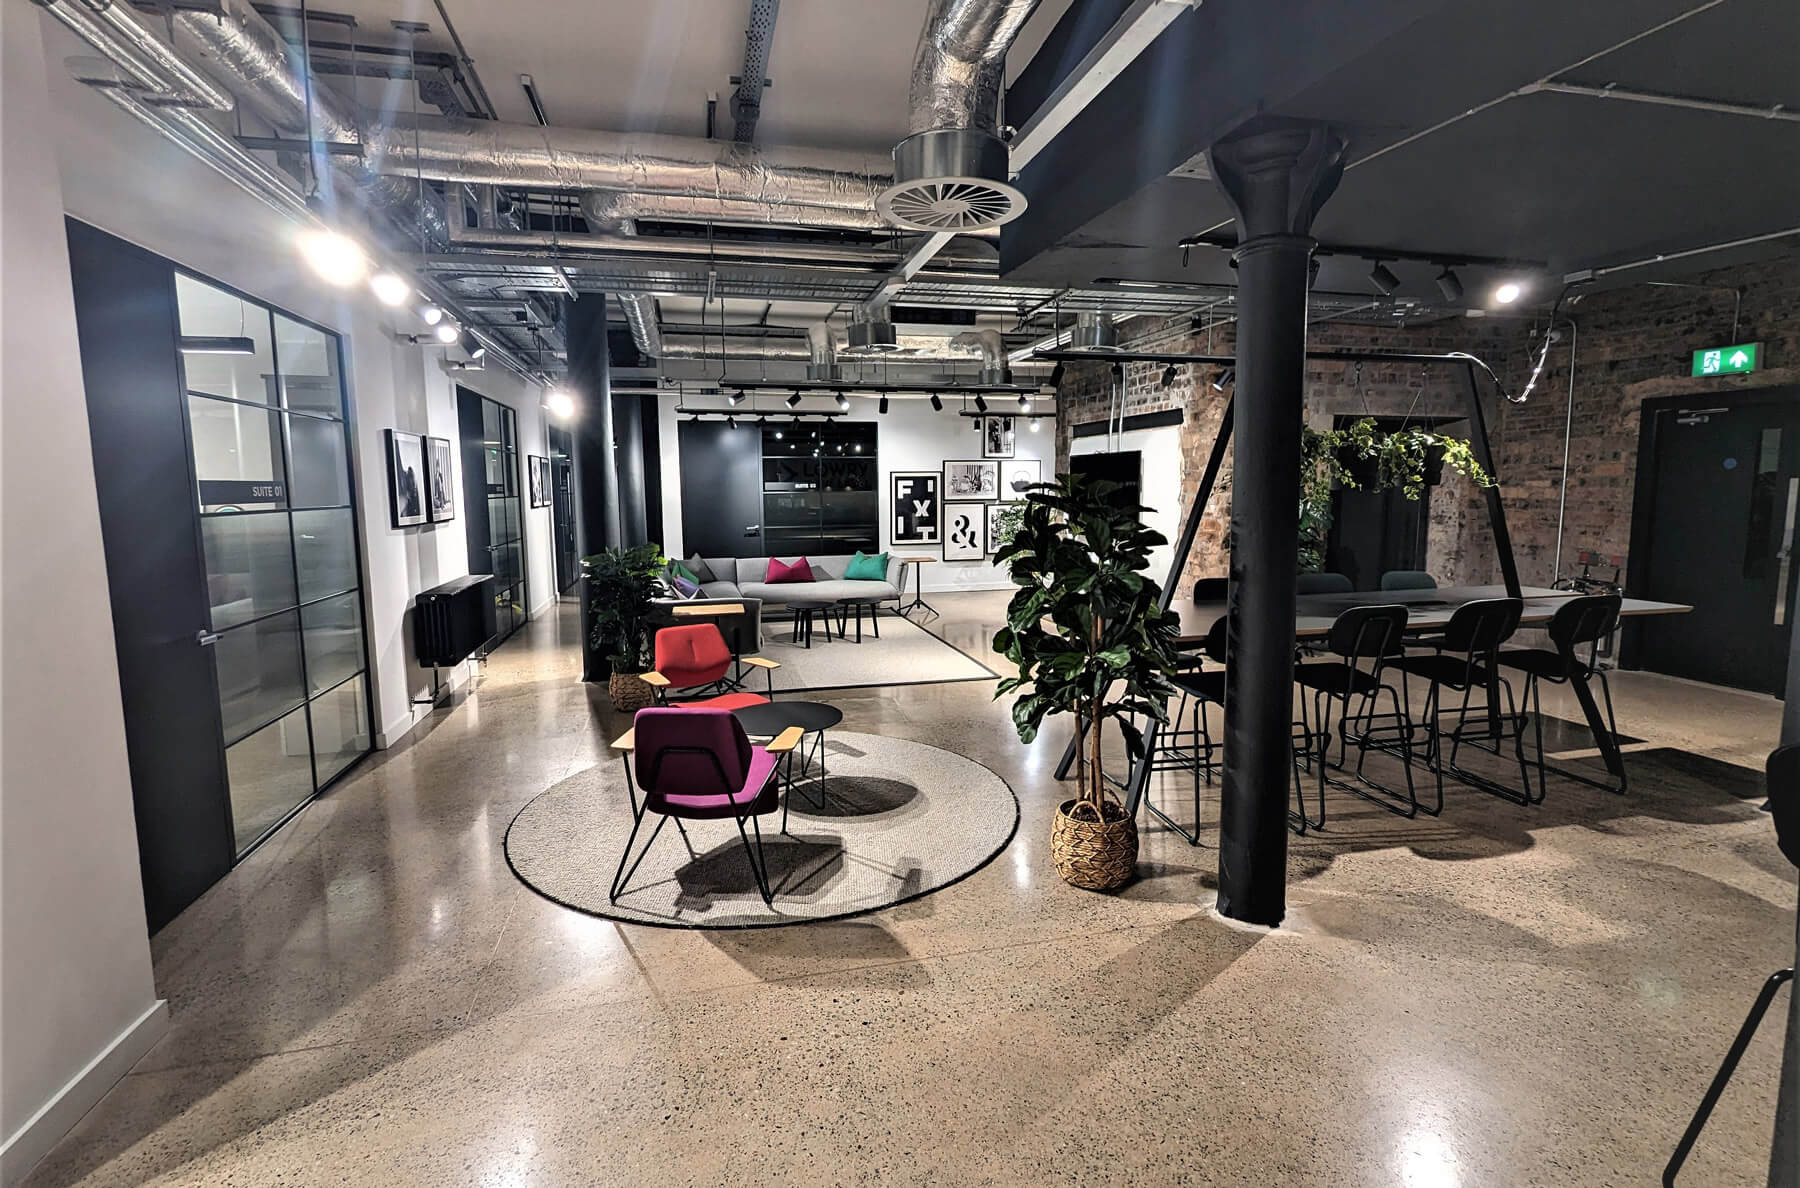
[(965, 531), (544, 483), (442, 498), (406, 478), (994, 512), (916, 507), (536, 485), (971, 478), (996, 437), (1018, 476)]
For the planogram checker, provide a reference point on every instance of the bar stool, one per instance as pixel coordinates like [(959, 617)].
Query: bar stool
[(1363, 635), (1585, 620), (1783, 775), (1192, 748), (1466, 658)]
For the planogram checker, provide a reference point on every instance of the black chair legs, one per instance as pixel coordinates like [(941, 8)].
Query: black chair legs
[(1752, 1021)]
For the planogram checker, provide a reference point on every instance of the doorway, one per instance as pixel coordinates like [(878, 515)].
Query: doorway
[(220, 430), (562, 507), (495, 523), (1713, 526)]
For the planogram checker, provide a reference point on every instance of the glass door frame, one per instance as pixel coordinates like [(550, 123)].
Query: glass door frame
[(346, 406)]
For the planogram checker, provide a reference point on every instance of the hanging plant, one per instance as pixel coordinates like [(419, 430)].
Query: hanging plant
[(1362, 457)]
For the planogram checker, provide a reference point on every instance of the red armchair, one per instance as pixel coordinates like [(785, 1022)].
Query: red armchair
[(695, 660)]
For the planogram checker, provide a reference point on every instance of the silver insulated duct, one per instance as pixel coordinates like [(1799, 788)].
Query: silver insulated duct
[(993, 354), (798, 186), (951, 173)]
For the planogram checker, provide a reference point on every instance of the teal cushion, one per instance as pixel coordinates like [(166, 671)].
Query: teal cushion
[(864, 568), (678, 570)]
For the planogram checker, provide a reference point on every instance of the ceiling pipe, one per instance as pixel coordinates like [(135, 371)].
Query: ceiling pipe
[(871, 258), (993, 354), (611, 208), (794, 181), (115, 32), (640, 315), (821, 353)]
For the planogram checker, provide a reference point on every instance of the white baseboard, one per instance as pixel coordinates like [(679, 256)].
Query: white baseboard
[(40, 1132), (393, 733)]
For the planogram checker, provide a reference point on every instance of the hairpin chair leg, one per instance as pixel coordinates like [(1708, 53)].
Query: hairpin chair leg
[(752, 855), (624, 876)]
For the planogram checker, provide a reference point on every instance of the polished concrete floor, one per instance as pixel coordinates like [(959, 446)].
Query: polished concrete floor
[(1503, 996)]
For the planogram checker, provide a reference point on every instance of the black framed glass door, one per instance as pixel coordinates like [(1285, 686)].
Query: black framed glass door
[(493, 494)]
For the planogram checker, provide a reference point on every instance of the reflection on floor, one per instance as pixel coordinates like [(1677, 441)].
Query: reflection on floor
[(1502, 996)]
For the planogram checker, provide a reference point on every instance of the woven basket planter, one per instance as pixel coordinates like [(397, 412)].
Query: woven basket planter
[(629, 693), (1096, 855)]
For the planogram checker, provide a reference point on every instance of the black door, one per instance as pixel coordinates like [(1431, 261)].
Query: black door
[(721, 490), (1719, 523), (127, 327), (562, 513)]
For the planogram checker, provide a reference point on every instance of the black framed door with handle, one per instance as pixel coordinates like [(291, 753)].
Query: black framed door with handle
[(1715, 524)]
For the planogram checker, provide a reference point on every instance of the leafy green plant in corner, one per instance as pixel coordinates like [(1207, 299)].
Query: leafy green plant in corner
[(1085, 626), (1362, 457), (621, 584)]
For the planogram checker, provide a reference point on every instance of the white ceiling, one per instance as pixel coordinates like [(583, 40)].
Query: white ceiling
[(840, 69)]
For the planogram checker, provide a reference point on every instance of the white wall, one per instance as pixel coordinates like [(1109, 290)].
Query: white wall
[(124, 179), (77, 1004), (912, 437)]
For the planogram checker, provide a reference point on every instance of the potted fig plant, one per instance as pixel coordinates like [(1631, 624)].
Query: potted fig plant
[(1088, 633), (620, 585)]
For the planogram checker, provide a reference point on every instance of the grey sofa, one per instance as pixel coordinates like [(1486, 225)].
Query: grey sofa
[(740, 580)]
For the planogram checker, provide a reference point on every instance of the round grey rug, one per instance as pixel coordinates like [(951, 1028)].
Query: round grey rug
[(891, 820)]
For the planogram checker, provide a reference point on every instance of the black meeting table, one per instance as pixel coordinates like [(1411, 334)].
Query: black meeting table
[(1427, 612)]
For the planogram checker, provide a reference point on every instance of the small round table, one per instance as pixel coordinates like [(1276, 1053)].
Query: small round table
[(803, 621), (813, 717), (918, 602), (846, 605)]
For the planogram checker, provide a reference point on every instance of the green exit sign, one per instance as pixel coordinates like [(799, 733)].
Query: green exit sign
[(1731, 360)]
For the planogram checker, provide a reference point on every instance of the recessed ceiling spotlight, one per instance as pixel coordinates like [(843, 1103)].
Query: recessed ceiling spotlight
[(1450, 285), (980, 403), (390, 288), (1509, 292), (447, 332), (937, 403), (338, 259), (793, 401), (1383, 278)]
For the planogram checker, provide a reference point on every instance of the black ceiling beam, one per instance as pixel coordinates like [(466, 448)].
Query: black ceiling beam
[(832, 387), (1226, 241)]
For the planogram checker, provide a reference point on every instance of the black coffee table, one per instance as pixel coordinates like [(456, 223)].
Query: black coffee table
[(846, 605), (803, 621), (814, 718)]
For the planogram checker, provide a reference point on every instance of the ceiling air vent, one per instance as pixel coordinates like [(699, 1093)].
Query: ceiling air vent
[(950, 180)]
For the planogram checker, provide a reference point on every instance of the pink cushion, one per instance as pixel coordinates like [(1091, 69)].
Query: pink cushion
[(799, 571)]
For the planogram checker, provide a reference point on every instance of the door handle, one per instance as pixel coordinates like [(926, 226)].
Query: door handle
[(1786, 553), (205, 638)]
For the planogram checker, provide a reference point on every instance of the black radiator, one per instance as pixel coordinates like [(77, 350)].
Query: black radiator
[(452, 620)]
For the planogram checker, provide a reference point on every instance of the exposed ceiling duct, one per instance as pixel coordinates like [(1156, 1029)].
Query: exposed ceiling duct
[(253, 60), (821, 353), (993, 354), (640, 315), (792, 184), (618, 208), (951, 173), (147, 65)]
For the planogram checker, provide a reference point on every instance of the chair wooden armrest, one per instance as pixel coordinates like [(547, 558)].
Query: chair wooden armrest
[(656, 679), (626, 741), (786, 741), (760, 662)]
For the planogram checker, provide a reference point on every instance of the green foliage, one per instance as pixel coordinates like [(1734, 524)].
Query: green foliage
[(1363, 458), (1006, 524), (620, 586), (1085, 626)]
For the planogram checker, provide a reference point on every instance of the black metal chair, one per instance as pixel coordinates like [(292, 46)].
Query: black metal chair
[(1322, 583), (1579, 622), (1465, 658), (1407, 579), (1214, 589), (1365, 639), (1192, 748), (1783, 775)]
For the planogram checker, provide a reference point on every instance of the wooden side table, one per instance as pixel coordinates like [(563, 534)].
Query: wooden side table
[(918, 602)]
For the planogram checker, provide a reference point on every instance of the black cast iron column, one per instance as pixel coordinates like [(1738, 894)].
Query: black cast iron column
[(1276, 177), (596, 465)]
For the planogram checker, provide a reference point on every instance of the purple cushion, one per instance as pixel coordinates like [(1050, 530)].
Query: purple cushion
[(686, 588)]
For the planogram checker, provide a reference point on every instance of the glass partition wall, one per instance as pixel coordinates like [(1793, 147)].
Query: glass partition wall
[(269, 440)]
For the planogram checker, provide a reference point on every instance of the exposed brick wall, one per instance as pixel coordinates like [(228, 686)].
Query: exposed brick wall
[(1632, 344)]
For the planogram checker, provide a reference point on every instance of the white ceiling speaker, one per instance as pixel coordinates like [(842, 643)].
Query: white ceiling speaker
[(951, 179)]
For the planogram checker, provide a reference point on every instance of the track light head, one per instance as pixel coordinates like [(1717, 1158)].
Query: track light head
[(735, 399), (731, 423), (471, 345), (843, 402), (1383, 278), (980, 403), (1168, 375), (1225, 379), (937, 403), (882, 407), (447, 332), (1024, 403), (793, 401), (1450, 285)]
